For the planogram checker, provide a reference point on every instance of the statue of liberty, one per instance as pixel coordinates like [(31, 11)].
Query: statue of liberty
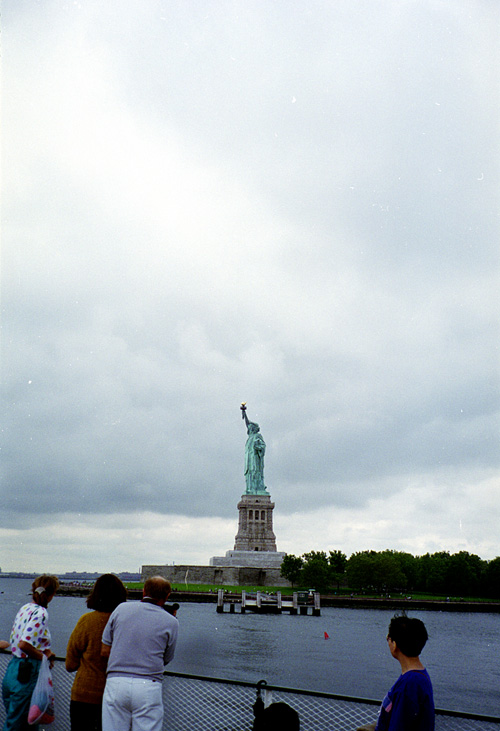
[(255, 449)]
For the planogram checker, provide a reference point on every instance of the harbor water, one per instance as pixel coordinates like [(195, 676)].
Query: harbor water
[(461, 655)]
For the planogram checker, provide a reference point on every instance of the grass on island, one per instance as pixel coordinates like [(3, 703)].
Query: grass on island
[(288, 591), (212, 588)]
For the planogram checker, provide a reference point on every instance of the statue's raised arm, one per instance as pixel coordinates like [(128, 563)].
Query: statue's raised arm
[(255, 449), (244, 416)]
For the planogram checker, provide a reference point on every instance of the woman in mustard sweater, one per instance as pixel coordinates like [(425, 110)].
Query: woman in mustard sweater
[(83, 654)]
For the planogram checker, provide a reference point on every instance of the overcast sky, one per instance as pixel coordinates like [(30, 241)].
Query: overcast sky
[(293, 204)]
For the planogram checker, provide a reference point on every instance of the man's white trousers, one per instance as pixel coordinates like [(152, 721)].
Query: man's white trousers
[(132, 704)]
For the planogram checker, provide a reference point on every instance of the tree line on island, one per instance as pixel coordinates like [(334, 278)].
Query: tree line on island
[(459, 574)]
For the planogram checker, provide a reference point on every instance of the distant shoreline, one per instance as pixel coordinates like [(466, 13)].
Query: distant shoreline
[(329, 600), (399, 604)]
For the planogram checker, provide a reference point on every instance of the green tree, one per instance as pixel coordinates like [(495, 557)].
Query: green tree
[(387, 572), (432, 571), (359, 569), (316, 571), (315, 556), (291, 568), (380, 571), (491, 580), (463, 577), (423, 564), (338, 562), (408, 565)]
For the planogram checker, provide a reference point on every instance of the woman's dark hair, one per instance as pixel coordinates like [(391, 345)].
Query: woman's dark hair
[(107, 593)]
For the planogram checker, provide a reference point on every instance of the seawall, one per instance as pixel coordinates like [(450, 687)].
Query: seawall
[(397, 604)]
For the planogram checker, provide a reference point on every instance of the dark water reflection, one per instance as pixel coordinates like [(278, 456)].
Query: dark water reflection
[(462, 653)]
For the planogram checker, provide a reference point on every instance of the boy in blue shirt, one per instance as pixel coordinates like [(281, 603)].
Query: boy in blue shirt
[(409, 705)]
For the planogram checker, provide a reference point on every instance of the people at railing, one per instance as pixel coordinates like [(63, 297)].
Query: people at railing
[(83, 654), (29, 642), (409, 704), (139, 639)]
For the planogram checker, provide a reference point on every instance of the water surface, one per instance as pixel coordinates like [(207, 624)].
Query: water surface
[(462, 653)]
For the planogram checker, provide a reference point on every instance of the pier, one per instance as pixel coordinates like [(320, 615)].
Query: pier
[(302, 603)]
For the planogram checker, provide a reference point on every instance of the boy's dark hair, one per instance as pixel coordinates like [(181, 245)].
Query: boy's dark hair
[(409, 634), (277, 717), (107, 593)]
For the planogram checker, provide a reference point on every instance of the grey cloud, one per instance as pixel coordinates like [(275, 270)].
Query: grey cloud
[(296, 209)]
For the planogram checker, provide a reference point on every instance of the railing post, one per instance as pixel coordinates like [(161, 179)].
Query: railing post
[(243, 601), (220, 601), (295, 603), (317, 609), (259, 601)]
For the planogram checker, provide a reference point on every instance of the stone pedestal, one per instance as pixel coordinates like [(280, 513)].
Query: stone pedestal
[(255, 543), (255, 525)]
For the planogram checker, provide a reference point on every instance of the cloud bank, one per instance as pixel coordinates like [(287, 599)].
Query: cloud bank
[(290, 205)]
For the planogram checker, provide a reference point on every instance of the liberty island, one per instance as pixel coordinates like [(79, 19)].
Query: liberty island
[(255, 559)]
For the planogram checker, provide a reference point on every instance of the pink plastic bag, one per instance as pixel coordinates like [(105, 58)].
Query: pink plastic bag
[(42, 698)]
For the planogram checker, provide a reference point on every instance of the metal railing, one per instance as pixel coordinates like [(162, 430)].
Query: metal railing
[(194, 702)]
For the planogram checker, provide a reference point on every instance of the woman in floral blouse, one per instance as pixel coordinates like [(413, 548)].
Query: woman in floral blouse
[(29, 641)]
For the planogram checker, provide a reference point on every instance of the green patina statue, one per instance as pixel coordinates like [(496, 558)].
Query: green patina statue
[(255, 448)]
